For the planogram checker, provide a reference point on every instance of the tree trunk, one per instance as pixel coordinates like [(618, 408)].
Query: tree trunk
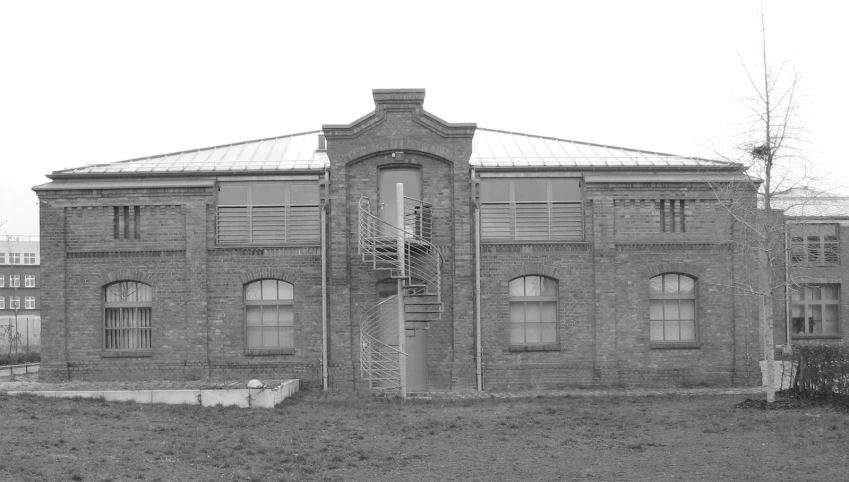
[(764, 274)]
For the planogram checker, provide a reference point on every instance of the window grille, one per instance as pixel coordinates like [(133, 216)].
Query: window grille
[(127, 316)]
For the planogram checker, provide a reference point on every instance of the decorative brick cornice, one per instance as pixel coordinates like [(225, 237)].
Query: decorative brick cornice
[(277, 252), (125, 275), (533, 247), (395, 101), (673, 247), (268, 273), (533, 269), (172, 253)]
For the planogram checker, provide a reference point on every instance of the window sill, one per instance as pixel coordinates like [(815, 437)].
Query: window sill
[(675, 345), (527, 348), (816, 337), (268, 351), (126, 353)]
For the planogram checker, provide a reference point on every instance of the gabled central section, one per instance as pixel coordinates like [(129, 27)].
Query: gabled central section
[(399, 113)]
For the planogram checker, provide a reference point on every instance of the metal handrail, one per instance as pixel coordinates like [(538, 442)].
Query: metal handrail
[(377, 244)]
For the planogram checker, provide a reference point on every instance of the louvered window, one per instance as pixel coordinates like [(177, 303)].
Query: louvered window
[(815, 244), (531, 209), (267, 213)]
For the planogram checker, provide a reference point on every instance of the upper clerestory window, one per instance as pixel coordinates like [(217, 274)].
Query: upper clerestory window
[(267, 213), (531, 209), (815, 244)]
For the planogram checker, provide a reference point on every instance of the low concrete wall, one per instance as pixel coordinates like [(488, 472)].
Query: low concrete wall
[(241, 397)]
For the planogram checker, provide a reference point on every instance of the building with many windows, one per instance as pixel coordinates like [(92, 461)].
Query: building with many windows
[(19, 276), (501, 259), (20, 293), (816, 223)]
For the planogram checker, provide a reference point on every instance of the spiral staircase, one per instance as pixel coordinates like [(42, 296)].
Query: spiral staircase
[(419, 268)]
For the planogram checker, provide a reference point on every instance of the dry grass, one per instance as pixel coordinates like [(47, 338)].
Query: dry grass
[(344, 437)]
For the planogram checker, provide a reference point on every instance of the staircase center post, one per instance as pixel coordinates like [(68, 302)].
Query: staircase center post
[(402, 271)]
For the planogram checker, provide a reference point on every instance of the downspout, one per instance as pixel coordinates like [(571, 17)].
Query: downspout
[(324, 208), (786, 286), (477, 220)]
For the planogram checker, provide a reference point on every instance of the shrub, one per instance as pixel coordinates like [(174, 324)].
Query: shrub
[(20, 358), (823, 370)]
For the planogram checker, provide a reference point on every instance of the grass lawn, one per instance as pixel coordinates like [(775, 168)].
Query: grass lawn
[(344, 437)]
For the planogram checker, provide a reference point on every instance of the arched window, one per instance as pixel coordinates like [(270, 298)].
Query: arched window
[(533, 311), (127, 317), (672, 307), (269, 315)]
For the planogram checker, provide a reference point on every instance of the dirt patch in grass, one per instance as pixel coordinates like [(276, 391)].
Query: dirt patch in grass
[(345, 437)]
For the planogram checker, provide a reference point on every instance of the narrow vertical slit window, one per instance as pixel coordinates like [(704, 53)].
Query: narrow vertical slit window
[(672, 216), (126, 222), (116, 222), (136, 222)]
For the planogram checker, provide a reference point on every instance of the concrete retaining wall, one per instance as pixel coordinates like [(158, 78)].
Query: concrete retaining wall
[(243, 397)]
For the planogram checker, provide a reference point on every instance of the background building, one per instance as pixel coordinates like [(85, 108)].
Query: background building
[(20, 288), (528, 261)]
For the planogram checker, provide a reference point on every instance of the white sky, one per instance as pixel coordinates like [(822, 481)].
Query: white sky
[(94, 82)]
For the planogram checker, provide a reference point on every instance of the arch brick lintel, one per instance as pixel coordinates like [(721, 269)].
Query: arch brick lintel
[(268, 273), (399, 144), (683, 268), (534, 269), (125, 275)]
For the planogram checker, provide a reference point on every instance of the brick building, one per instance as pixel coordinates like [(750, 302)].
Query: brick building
[(19, 276), (527, 262), (20, 293), (816, 223)]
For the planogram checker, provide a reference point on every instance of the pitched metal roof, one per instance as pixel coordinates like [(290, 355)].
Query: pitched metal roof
[(494, 149), (296, 152), (807, 203), (300, 152)]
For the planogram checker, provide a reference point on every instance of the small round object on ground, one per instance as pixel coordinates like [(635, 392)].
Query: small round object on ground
[(255, 384)]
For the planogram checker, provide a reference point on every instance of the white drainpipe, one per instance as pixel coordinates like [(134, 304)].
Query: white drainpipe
[(477, 220), (324, 207)]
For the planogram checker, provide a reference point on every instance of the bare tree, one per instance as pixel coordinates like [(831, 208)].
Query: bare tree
[(14, 304), (770, 149)]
